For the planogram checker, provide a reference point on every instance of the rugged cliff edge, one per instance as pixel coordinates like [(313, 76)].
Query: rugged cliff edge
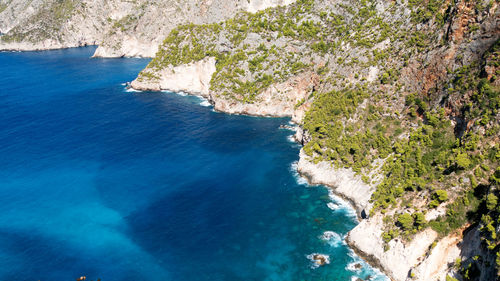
[(386, 120), (193, 78), (342, 180), (278, 100), (119, 28), (426, 257), (398, 102)]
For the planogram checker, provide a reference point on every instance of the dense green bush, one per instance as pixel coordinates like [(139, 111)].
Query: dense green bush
[(405, 221)]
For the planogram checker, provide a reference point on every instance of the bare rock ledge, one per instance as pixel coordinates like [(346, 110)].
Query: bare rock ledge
[(278, 100)]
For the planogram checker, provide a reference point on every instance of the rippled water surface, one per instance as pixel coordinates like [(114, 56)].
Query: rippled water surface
[(118, 185)]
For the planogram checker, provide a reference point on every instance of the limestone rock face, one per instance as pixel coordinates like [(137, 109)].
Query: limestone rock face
[(193, 78), (343, 181), (119, 28), (425, 258), (400, 258), (277, 100), (137, 28)]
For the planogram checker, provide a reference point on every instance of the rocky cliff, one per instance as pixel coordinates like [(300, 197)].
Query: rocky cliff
[(397, 102), (278, 100), (394, 120), (119, 28)]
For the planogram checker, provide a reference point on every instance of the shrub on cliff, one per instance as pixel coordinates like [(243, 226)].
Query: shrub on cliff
[(440, 195), (405, 221)]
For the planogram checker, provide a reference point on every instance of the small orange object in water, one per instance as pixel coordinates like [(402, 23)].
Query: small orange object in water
[(81, 278)]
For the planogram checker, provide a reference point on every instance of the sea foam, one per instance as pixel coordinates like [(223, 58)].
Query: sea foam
[(338, 204), (300, 180), (332, 238), (314, 263), (205, 102), (365, 269), (131, 90), (291, 139)]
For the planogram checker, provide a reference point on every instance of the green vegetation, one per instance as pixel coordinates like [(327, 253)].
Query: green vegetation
[(246, 67), (453, 167), (245, 71), (405, 221), (49, 19), (435, 149), (434, 146), (4, 6)]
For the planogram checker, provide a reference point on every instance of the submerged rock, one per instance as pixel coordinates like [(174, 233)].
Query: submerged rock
[(319, 259)]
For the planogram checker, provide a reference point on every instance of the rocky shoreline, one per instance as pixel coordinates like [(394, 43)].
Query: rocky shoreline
[(118, 28), (194, 79), (419, 255), (278, 100), (342, 181), (430, 50)]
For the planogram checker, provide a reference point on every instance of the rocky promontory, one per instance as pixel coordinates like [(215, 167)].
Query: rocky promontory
[(343, 181), (193, 78), (278, 100), (119, 28), (398, 102)]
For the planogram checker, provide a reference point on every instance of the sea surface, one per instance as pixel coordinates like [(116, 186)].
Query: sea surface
[(106, 183)]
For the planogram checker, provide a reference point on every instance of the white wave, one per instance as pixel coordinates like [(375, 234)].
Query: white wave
[(365, 269), (332, 206), (340, 204), (316, 262), (291, 139), (300, 180), (131, 90), (333, 238), (123, 84), (205, 103), (289, 128)]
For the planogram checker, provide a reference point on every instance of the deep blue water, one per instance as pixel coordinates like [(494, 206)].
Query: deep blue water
[(118, 185)]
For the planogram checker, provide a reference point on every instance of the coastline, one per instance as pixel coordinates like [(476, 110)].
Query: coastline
[(343, 182), (324, 174), (308, 62), (278, 100), (365, 238)]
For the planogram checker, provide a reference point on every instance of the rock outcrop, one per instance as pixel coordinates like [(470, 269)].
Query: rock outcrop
[(372, 57), (366, 242), (343, 181), (427, 257), (278, 100), (193, 78), (119, 28)]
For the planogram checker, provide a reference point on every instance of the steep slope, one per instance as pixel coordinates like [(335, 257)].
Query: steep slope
[(397, 102), (119, 27), (402, 107)]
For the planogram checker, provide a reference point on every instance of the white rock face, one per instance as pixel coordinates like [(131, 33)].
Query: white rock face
[(278, 100), (258, 5), (372, 73), (366, 240), (130, 47), (120, 28), (435, 266), (402, 258), (343, 181), (193, 78)]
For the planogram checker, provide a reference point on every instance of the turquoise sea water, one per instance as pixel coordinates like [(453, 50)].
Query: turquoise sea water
[(118, 185)]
